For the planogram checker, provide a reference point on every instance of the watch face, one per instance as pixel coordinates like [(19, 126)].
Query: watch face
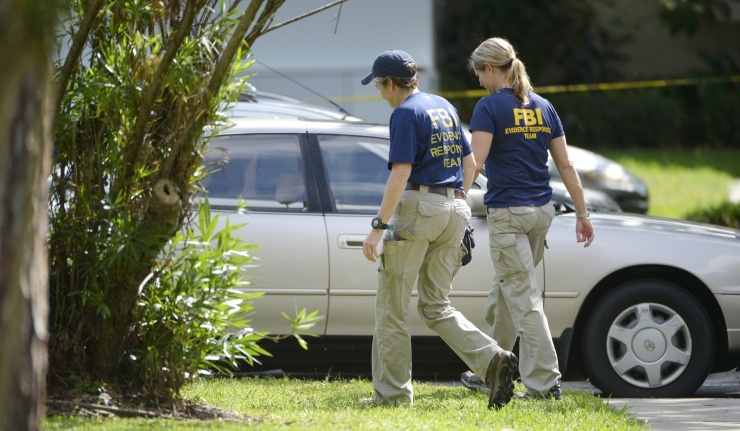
[(376, 223)]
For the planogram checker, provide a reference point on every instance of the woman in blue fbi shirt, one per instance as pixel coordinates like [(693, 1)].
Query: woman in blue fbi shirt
[(512, 130)]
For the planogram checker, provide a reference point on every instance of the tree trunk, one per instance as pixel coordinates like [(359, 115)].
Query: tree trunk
[(160, 221), (25, 147)]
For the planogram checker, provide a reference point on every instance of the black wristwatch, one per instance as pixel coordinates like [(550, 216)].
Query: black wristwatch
[(377, 223)]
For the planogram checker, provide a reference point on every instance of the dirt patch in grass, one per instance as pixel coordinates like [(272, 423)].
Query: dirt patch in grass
[(132, 405)]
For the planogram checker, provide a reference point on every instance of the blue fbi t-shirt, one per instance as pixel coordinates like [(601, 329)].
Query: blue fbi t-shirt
[(516, 165), (425, 131)]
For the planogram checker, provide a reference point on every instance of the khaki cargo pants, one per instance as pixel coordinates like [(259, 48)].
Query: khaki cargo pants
[(428, 230), (515, 305)]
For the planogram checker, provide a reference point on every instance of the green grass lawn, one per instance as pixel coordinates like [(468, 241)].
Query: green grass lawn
[(681, 181), (290, 404)]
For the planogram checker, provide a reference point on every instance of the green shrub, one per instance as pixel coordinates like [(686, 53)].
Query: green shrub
[(680, 116), (628, 118), (192, 313), (726, 214), (719, 107)]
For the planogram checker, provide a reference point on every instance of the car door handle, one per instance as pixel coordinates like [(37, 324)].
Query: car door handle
[(350, 241)]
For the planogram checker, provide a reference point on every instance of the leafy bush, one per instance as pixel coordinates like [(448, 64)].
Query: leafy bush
[(193, 316), (726, 214), (718, 102), (136, 83), (690, 116), (620, 118)]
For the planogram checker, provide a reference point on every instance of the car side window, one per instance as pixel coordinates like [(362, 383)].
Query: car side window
[(357, 169), (264, 170)]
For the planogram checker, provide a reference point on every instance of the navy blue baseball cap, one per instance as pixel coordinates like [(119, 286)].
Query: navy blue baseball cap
[(391, 63)]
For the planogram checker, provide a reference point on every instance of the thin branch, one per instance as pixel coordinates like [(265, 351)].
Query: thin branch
[(217, 77), (305, 15), (73, 56), (266, 17), (154, 88)]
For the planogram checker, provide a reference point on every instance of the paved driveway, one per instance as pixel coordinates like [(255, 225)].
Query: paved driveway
[(715, 406)]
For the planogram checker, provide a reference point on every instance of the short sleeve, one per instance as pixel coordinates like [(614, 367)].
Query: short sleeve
[(482, 117)]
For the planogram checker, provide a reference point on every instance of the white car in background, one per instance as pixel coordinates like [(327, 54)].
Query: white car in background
[(648, 310), (600, 173)]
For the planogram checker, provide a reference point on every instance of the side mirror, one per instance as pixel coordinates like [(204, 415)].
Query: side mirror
[(474, 198)]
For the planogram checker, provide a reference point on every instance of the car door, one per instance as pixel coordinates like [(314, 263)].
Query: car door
[(357, 170), (283, 217)]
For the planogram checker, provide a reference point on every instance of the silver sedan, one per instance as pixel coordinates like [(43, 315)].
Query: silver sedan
[(648, 310)]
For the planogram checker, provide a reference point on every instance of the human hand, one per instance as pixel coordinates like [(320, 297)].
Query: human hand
[(585, 231), (370, 244)]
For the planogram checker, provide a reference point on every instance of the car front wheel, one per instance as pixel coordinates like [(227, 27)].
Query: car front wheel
[(648, 338)]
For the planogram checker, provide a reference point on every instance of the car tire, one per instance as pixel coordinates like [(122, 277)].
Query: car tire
[(648, 338)]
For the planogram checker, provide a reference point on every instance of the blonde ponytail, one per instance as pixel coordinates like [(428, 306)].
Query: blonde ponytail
[(519, 80), (500, 53)]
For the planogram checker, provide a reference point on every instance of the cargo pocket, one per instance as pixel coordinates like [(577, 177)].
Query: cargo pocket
[(505, 255), (393, 258)]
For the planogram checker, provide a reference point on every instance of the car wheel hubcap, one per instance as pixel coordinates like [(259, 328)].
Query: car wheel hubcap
[(649, 345)]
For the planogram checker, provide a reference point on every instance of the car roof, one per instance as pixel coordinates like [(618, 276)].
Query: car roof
[(270, 105), (291, 125)]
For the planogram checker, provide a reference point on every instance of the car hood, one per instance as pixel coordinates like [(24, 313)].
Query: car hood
[(664, 225)]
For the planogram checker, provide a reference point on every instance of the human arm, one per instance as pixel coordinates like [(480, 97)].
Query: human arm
[(394, 189), (559, 152), (481, 143), (469, 171)]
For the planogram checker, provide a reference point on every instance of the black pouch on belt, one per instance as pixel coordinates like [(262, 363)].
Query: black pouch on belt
[(469, 242)]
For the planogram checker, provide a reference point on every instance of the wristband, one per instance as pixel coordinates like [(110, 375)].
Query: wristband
[(582, 215)]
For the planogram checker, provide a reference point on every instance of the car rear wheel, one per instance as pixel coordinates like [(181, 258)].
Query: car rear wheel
[(648, 338)]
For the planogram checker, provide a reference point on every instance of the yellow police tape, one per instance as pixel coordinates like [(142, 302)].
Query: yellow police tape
[(551, 89)]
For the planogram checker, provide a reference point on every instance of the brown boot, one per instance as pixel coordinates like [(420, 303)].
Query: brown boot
[(500, 378)]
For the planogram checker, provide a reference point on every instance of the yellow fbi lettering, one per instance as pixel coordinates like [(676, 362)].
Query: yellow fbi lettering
[(448, 152), (445, 116), (445, 149), (530, 117), (529, 122)]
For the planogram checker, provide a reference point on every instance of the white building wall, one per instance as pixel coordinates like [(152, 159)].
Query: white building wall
[(330, 58)]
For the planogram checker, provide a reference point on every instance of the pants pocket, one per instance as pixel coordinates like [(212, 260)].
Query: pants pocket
[(396, 251), (505, 254), (549, 210)]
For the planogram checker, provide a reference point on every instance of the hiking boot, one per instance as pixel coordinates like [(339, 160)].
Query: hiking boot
[(500, 378), (471, 381)]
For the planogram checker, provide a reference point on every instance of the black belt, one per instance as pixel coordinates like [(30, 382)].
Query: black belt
[(437, 190)]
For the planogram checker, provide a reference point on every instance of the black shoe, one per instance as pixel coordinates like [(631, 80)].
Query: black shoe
[(555, 393), (500, 378), (552, 394)]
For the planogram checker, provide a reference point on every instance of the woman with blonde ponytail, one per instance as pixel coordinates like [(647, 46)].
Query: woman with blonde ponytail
[(513, 128)]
